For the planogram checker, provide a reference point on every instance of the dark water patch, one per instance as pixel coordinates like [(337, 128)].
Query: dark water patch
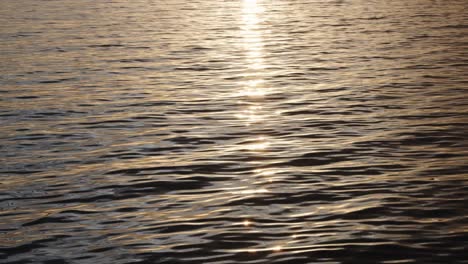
[(195, 68), (48, 220), (58, 80), (183, 170), (27, 97), (147, 103), (106, 46)]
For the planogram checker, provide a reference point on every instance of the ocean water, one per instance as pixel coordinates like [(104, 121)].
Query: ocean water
[(236, 131)]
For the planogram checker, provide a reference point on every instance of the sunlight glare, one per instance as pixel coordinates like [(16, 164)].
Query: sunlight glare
[(251, 6)]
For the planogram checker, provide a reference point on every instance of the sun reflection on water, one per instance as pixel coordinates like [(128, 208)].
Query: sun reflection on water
[(253, 44), (254, 112)]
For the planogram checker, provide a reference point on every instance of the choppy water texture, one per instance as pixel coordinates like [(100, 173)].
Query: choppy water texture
[(235, 131)]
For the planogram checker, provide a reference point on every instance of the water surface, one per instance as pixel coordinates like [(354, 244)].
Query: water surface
[(234, 131)]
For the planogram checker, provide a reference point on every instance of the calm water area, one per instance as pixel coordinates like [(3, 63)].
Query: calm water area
[(235, 131)]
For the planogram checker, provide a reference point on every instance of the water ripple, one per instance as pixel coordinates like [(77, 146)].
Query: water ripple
[(240, 131)]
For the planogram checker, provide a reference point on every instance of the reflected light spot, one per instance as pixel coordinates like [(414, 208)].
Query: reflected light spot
[(252, 40), (256, 66), (250, 118), (252, 34), (277, 248), (266, 172), (250, 18), (255, 56), (258, 146), (253, 93), (254, 83), (251, 7), (254, 191), (247, 223)]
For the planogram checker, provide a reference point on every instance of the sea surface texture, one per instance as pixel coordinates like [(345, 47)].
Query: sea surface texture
[(236, 131)]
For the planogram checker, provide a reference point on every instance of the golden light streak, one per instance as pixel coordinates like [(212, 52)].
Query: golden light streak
[(252, 41)]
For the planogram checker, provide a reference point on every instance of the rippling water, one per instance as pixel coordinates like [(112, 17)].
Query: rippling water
[(237, 131)]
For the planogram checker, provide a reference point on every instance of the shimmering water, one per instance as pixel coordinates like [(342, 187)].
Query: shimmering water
[(237, 131)]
